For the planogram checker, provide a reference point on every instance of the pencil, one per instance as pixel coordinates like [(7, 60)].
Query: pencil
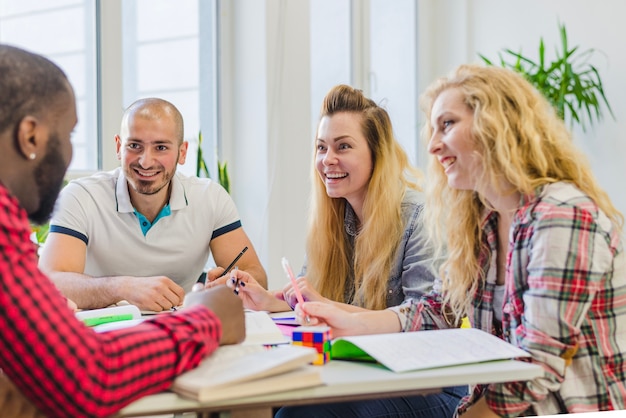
[(231, 265), (294, 284)]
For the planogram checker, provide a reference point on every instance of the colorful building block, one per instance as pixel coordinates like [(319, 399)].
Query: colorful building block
[(318, 337)]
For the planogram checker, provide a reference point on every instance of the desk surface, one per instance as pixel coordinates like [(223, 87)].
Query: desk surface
[(345, 381)]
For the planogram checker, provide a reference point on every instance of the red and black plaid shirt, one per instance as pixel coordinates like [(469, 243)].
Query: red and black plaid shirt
[(64, 367)]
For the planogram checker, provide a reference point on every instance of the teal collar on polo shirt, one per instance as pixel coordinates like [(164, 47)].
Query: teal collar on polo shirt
[(145, 224)]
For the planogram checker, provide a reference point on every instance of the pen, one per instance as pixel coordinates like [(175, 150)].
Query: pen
[(231, 265), (294, 284)]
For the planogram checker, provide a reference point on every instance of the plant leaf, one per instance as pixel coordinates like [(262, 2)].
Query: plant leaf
[(569, 81)]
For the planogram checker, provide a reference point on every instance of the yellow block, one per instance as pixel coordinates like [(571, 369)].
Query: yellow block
[(465, 323)]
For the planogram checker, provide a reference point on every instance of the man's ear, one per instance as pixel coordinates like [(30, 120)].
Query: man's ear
[(28, 137), (182, 152), (118, 147)]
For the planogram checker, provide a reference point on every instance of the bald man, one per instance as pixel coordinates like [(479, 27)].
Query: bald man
[(143, 232)]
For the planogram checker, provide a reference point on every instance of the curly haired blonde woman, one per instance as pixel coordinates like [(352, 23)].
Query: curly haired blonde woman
[(534, 247)]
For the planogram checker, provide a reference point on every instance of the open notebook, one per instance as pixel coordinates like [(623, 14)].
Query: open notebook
[(408, 351)]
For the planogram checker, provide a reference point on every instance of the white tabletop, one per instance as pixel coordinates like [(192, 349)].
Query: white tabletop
[(348, 380)]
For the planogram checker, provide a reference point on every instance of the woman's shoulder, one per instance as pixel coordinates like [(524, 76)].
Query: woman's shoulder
[(413, 199), (562, 192), (563, 200), (412, 206), (563, 195)]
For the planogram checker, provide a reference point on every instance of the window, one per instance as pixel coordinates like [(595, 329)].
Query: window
[(393, 69), (368, 45), (63, 31), (168, 50), (330, 50)]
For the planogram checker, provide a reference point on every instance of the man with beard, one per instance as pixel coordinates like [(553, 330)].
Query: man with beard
[(143, 232), (41, 341)]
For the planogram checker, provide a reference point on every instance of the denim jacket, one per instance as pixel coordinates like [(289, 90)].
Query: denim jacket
[(412, 274)]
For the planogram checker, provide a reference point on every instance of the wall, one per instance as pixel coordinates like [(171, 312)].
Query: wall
[(266, 91), (266, 134), (452, 33)]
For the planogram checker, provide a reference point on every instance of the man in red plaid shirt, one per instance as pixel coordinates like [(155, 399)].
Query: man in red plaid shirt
[(42, 344)]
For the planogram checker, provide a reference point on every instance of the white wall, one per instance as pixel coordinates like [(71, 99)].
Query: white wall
[(268, 134), (454, 32)]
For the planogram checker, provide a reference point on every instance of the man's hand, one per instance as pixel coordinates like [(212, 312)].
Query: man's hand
[(72, 305), (214, 274), (156, 293), (228, 308), (13, 404)]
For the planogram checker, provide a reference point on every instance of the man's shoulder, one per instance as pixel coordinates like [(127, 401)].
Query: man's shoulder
[(198, 184), (192, 180), (95, 184), (102, 178)]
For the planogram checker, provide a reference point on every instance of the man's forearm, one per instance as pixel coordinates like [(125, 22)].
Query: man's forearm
[(86, 291), (259, 274)]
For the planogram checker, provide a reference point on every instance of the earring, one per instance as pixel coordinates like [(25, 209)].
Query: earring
[(32, 156)]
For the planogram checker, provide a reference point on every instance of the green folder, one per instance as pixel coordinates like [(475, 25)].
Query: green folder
[(99, 320), (345, 350)]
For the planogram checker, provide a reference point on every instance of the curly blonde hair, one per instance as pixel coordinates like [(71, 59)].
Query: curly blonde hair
[(330, 257), (520, 139)]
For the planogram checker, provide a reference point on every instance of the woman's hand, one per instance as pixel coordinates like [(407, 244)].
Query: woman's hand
[(309, 294), (321, 313), (343, 322), (253, 295)]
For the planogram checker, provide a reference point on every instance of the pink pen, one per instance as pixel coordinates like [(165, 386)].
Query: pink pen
[(294, 284)]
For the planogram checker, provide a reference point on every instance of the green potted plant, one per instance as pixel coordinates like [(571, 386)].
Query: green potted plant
[(569, 82), (203, 171), (39, 233)]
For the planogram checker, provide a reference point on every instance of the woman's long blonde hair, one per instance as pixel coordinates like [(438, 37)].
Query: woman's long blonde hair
[(329, 257), (520, 139)]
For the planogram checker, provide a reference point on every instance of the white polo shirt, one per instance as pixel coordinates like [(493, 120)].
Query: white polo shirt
[(98, 211)]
